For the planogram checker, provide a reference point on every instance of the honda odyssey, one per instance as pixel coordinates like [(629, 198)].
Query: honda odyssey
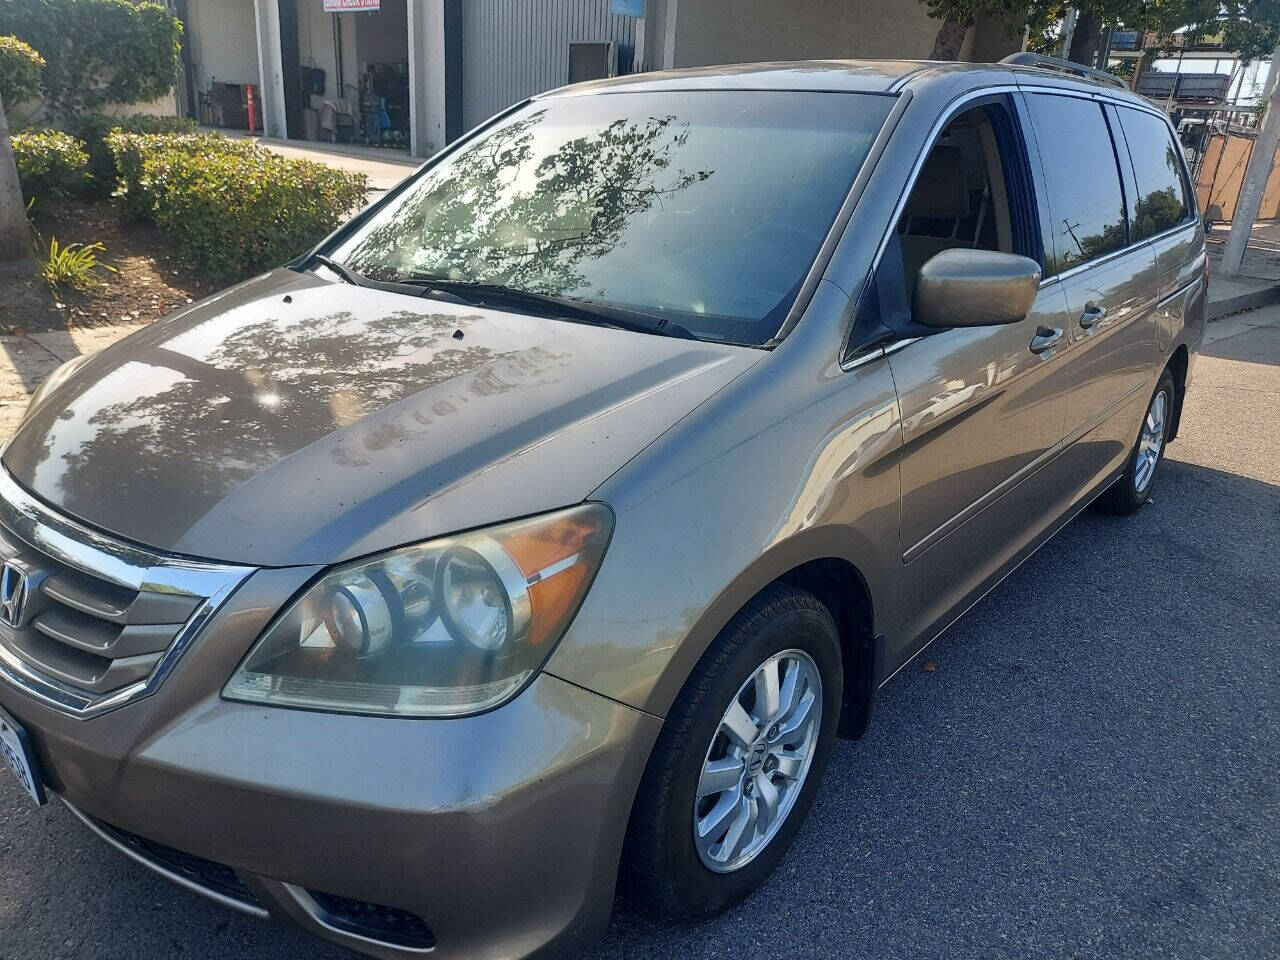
[(545, 524)]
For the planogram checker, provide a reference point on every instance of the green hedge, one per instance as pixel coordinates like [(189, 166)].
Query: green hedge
[(20, 71), (231, 207), (50, 163), (93, 129), (98, 51), (130, 153)]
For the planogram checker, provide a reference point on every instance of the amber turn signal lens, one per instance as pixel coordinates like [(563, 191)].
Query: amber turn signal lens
[(558, 556)]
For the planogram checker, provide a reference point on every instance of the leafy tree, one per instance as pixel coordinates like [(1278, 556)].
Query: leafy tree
[(958, 16), (20, 70), (1249, 27), (98, 51)]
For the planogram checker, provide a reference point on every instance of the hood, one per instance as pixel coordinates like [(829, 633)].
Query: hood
[(293, 421)]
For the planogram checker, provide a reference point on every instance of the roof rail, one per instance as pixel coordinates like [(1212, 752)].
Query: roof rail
[(1028, 59)]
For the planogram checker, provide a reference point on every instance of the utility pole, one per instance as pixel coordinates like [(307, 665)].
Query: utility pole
[(1255, 182), (1068, 31), (1177, 72), (1104, 48)]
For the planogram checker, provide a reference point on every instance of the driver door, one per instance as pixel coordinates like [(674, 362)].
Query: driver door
[(982, 407)]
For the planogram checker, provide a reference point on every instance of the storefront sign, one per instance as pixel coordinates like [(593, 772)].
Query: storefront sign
[(627, 8), (351, 6)]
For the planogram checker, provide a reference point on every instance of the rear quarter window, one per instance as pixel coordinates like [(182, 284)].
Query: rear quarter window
[(1163, 200)]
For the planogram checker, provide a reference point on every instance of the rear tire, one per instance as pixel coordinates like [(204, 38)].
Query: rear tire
[(739, 747), (1134, 487)]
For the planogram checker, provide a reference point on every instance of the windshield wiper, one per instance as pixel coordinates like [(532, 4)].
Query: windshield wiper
[(485, 294), (342, 270), (392, 286)]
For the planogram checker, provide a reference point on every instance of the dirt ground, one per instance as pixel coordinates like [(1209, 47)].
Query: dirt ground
[(147, 283)]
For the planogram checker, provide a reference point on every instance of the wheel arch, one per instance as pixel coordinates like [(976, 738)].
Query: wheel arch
[(843, 590), (826, 563)]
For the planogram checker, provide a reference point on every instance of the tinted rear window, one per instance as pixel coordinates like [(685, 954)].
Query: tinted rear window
[(1162, 190), (706, 208), (1086, 203)]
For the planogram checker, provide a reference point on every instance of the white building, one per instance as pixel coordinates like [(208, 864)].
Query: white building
[(450, 64)]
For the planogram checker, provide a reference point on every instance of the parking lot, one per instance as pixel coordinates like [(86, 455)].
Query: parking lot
[(1092, 769)]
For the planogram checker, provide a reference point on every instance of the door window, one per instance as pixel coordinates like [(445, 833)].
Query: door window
[(1086, 202), (1162, 201), (970, 195), (960, 200)]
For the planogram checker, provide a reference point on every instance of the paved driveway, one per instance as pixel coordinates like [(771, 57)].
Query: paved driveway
[(1092, 771)]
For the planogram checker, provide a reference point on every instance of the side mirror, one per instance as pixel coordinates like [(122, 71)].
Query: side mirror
[(975, 288)]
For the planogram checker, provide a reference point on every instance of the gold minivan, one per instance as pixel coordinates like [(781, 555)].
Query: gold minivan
[(546, 523)]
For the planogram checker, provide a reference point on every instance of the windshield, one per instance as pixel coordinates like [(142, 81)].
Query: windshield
[(704, 208)]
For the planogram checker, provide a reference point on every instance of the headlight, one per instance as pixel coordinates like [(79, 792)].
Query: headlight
[(449, 627)]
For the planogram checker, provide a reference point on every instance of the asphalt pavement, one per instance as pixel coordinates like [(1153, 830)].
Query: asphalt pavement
[(1092, 769)]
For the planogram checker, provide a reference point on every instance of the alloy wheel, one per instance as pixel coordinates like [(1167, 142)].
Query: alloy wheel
[(1150, 442), (757, 761)]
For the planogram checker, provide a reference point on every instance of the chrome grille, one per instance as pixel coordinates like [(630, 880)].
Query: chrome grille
[(88, 623)]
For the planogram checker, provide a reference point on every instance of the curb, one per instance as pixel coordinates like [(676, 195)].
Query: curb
[(1242, 301)]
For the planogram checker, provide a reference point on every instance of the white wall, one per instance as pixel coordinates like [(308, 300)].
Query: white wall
[(223, 42), (165, 106)]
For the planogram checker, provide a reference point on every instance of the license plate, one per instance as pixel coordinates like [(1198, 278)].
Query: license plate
[(15, 750)]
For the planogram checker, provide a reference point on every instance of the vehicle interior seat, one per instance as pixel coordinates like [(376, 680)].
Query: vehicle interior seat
[(936, 210), (960, 200)]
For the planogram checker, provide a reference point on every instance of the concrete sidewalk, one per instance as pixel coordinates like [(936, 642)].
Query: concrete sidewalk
[(1258, 283), (25, 360)]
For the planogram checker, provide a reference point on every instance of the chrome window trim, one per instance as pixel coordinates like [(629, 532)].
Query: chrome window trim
[(1115, 254), (882, 351), (136, 568), (863, 359), (945, 115)]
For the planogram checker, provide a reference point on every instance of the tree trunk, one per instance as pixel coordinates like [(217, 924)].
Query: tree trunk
[(1086, 40), (946, 46), (15, 233), (1139, 66)]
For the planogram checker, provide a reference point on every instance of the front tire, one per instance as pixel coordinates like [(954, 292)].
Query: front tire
[(1133, 489), (739, 759)]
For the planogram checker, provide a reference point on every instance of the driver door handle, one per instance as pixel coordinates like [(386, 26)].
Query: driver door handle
[(1093, 313), (1046, 338)]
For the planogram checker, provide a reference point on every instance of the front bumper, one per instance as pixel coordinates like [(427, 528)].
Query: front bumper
[(498, 835), (502, 832)]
